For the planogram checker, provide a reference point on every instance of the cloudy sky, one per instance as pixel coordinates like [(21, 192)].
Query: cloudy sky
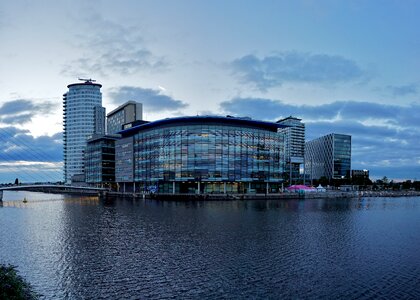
[(347, 67)]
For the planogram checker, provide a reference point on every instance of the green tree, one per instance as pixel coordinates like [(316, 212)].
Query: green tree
[(406, 185), (323, 181), (13, 286)]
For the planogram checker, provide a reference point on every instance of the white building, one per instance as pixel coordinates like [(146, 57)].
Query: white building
[(126, 113), (83, 116), (294, 143)]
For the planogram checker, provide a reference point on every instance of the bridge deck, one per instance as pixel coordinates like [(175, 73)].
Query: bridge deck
[(51, 188)]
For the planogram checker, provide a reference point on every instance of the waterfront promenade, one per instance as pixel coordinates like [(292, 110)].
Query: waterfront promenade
[(270, 196)]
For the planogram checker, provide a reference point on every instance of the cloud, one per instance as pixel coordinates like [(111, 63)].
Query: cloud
[(403, 90), (358, 111), (110, 48), (154, 100), (33, 158), (22, 111), (384, 137), (274, 70), (20, 145)]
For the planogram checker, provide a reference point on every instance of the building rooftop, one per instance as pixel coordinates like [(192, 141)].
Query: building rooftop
[(86, 82), (228, 120), (122, 106), (289, 118), (97, 137)]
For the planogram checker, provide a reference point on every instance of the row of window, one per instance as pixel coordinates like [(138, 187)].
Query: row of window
[(205, 152)]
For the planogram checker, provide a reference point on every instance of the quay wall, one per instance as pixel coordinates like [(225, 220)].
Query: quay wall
[(272, 196)]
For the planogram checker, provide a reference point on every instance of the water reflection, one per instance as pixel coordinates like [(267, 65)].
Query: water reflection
[(77, 248)]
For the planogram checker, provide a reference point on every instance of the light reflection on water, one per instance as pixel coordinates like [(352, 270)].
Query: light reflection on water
[(71, 247)]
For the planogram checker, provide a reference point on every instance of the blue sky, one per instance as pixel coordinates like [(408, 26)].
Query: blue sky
[(342, 66)]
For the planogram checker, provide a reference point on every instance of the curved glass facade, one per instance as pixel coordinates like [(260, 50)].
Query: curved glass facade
[(208, 158)]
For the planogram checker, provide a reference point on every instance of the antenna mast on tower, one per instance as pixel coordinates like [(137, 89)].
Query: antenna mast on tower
[(90, 80)]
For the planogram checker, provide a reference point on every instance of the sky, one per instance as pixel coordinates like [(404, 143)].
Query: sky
[(349, 67)]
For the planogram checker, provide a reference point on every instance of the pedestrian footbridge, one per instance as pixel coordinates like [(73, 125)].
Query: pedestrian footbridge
[(53, 189)]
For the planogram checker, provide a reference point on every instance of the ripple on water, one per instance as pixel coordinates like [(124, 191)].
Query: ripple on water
[(244, 249)]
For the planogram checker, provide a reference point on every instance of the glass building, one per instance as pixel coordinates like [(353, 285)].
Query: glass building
[(83, 116), (328, 156), (202, 154), (100, 160)]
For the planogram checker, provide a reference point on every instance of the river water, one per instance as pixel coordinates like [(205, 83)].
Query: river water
[(84, 248)]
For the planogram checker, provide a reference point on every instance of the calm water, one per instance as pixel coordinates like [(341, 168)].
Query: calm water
[(83, 248)]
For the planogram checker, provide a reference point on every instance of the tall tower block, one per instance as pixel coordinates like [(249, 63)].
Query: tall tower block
[(82, 105)]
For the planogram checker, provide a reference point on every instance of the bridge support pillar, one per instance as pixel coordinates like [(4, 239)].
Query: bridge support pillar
[(1, 196)]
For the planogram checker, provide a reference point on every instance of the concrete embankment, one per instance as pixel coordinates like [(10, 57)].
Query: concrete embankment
[(273, 196)]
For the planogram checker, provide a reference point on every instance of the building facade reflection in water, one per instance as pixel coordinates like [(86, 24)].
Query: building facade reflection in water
[(335, 248)]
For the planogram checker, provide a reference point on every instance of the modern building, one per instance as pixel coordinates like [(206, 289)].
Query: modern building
[(201, 154), (328, 156), (294, 143), (364, 174), (360, 177), (83, 116), (100, 160), (128, 112), (99, 120)]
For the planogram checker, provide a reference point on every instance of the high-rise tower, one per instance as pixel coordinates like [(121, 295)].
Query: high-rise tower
[(83, 116), (294, 140)]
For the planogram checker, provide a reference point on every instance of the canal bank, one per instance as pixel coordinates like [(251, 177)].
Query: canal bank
[(255, 196)]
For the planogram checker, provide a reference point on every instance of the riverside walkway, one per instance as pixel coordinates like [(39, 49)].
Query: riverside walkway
[(271, 196)]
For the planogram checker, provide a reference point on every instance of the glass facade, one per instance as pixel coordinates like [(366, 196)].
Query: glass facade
[(115, 122), (208, 158), (342, 156), (124, 160), (100, 160), (328, 156)]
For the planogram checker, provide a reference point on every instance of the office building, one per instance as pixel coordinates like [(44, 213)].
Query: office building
[(202, 154), (100, 160), (328, 156), (99, 120), (128, 112), (294, 143), (83, 116), (360, 177)]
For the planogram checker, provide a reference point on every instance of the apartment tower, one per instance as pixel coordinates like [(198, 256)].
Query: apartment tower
[(294, 146), (83, 116)]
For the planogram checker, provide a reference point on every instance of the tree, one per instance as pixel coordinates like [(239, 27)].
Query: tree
[(323, 181), (13, 286), (16, 181), (406, 185)]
